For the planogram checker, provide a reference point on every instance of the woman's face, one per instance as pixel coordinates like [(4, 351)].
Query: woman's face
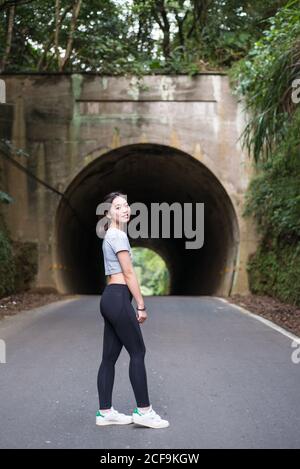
[(119, 210)]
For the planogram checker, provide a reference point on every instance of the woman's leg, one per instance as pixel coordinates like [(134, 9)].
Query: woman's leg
[(129, 332), (122, 328), (106, 374)]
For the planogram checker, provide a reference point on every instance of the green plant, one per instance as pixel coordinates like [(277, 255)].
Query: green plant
[(265, 78), (7, 263)]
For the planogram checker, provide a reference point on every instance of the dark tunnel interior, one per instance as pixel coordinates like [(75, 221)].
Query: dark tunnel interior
[(147, 173)]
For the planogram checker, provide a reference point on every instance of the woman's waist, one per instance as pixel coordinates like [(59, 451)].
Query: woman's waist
[(117, 277), (115, 286)]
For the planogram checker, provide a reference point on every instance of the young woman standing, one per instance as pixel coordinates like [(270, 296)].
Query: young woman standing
[(122, 323)]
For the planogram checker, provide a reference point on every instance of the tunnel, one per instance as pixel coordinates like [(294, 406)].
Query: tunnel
[(147, 173)]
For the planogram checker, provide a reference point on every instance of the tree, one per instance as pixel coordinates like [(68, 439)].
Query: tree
[(265, 78), (138, 36)]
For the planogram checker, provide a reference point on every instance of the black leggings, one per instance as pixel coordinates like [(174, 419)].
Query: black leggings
[(121, 327)]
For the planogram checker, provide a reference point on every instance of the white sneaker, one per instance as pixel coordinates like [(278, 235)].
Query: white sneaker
[(149, 418), (113, 417)]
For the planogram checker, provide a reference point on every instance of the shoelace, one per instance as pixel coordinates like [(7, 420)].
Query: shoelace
[(151, 413), (115, 412), (154, 415)]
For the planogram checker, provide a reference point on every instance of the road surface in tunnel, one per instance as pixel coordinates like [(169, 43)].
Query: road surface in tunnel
[(222, 378)]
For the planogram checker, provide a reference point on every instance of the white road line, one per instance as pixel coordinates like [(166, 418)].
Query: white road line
[(263, 320)]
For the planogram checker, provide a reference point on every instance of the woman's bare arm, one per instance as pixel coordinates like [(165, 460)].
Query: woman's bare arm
[(130, 277)]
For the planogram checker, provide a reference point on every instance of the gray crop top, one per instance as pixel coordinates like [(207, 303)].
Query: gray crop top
[(115, 240)]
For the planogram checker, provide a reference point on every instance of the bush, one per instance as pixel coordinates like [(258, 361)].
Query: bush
[(7, 264), (265, 78), (275, 270), (26, 262), (18, 263)]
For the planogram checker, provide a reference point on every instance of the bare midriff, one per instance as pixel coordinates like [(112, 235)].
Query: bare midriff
[(116, 278)]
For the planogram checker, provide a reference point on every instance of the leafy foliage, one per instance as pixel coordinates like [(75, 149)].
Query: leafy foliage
[(138, 36), (265, 78), (151, 271), (275, 270), (7, 264), (273, 196)]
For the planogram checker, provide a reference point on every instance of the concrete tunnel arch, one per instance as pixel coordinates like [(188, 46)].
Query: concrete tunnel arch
[(147, 173)]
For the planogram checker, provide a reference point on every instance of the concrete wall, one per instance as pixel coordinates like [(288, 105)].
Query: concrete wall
[(166, 138)]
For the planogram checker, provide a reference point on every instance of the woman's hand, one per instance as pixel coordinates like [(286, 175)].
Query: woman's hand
[(141, 316)]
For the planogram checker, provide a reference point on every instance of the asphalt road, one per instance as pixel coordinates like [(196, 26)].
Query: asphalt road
[(222, 378)]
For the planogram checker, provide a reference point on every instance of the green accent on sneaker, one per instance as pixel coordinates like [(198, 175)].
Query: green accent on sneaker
[(136, 411), (98, 414)]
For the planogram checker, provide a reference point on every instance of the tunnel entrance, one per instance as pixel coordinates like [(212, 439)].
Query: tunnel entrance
[(147, 173), (152, 272)]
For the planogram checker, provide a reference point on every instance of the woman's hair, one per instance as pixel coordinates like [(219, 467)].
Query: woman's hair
[(108, 199)]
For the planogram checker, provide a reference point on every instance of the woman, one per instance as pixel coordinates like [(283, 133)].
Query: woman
[(121, 323)]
